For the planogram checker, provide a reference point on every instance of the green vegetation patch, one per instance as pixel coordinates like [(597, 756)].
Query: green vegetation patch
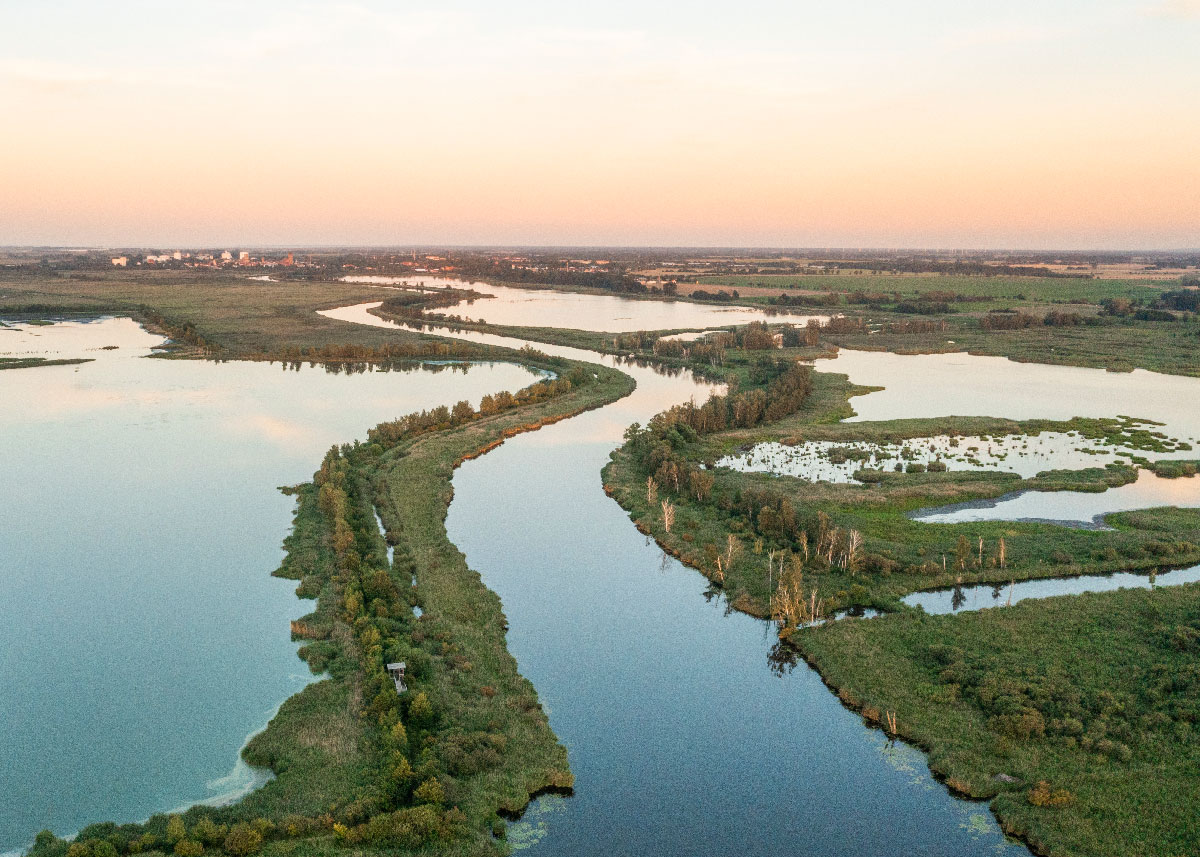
[(1077, 715), (1065, 713)]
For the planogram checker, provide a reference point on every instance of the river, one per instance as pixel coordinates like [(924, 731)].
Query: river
[(685, 736)]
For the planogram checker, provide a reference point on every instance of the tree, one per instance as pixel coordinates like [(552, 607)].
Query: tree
[(668, 513), (420, 710), (853, 543), (962, 552), (209, 832)]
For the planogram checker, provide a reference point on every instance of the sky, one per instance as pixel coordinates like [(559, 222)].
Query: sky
[(1053, 124)]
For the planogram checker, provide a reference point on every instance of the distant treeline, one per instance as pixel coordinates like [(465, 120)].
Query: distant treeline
[(960, 267), (923, 303), (616, 280)]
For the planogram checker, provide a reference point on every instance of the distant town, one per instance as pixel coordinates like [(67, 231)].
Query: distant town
[(665, 271)]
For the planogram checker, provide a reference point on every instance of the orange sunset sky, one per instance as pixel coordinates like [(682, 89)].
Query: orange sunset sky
[(932, 124)]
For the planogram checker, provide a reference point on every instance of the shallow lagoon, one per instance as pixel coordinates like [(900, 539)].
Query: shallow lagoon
[(818, 460), (144, 639)]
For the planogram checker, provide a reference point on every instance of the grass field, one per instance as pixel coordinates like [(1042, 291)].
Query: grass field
[(238, 316)]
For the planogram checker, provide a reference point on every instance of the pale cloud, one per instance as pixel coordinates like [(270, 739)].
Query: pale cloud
[(999, 36), (49, 71), (1176, 9)]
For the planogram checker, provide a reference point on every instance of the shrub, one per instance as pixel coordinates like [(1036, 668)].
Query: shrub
[(420, 710), (1043, 795), (430, 791), (209, 832), (243, 839), (188, 848)]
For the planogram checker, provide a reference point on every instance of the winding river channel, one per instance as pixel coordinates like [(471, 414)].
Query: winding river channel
[(686, 735)]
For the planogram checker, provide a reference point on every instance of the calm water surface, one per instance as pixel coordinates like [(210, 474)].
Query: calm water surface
[(1074, 508), (143, 639), (936, 385), (966, 598)]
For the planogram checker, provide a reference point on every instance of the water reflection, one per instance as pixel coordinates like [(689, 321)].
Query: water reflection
[(103, 338), (942, 385), (1073, 508)]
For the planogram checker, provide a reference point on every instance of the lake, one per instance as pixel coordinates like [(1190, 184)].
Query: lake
[(143, 638)]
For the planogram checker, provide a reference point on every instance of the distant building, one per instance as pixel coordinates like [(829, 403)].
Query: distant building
[(396, 671), (120, 261), (177, 255), (226, 256), (244, 257)]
